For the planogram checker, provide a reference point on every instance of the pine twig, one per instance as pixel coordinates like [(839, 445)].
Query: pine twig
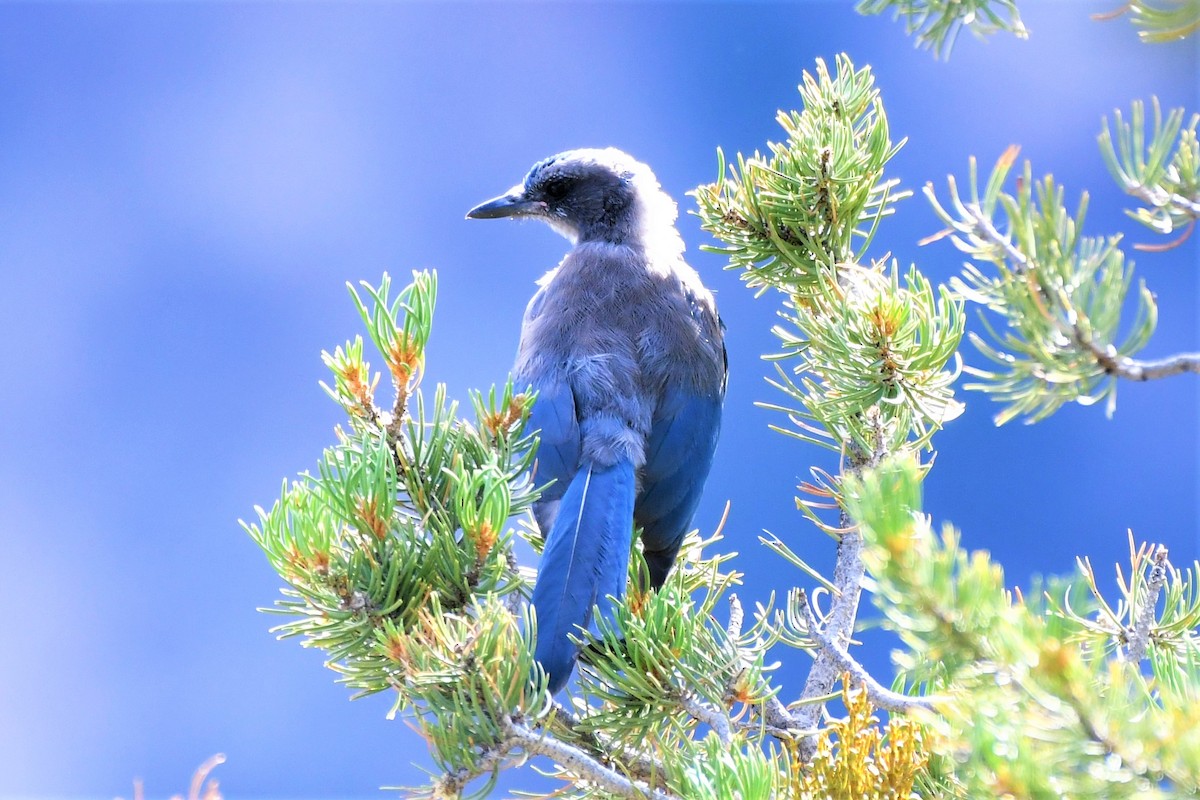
[(879, 695), (736, 617), (452, 784), (826, 670), (848, 573), (579, 762), (1106, 355), (637, 764), (776, 719), (1157, 197), (1139, 636), (1098, 732), (710, 715), (1135, 370)]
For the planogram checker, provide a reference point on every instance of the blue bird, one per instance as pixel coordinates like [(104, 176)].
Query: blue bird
[(624, 347)]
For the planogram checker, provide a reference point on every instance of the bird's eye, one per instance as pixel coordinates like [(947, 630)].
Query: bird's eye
[(556, 188)]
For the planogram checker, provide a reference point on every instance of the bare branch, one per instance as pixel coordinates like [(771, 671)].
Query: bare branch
[(579, 762), (879, 695), (637, 764), (710, 715), (826, 669), (1139, 635)]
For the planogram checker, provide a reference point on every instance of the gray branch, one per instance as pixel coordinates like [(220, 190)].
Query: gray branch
[(454, 783), (753, 728), (736, 615), (776, 720), (1135, 370), (1138, 637), (780, 723), (847, 576), (1161, 198), (984, 229), (848, 572), (1188, 205), (580, 763), (710, 715), (637, 764), (879, 695)]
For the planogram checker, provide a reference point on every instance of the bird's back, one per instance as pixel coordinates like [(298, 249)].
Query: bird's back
[(623, 345), (621, 332), (639, 348)]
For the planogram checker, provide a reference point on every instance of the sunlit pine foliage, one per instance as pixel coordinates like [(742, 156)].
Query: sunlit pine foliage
[(1161, 20), (867, 345), (935, 24), (1042, 693), (1059, 295), (1162, 171)]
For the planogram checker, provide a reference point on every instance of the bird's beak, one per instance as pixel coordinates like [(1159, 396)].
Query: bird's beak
[(512, 204)]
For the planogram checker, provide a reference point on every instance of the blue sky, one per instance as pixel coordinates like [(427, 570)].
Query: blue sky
[(185, 189)]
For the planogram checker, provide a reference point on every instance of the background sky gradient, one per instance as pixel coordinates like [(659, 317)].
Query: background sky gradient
[(185, 189)]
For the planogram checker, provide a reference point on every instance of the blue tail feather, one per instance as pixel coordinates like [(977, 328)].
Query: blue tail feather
[(586, 558)]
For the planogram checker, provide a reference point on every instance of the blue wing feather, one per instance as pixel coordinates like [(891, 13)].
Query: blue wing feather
[(554, 415), (679, 455), (586, 550)]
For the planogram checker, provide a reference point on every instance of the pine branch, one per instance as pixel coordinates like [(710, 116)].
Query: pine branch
[(578, 762), (1006, 666), (1108, 737), (1162, 198), (1061, 295), (848, 573), (935, 24), (453, 784), (709, 714), (1159, 20), (828, 667), (1162, 169), (776, 719), (880, 696), (871, 351), (639, 765), (1138, 637), (1137, 370), (1106, 355)]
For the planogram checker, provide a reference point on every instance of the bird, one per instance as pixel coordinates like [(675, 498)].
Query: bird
[(625, 349)]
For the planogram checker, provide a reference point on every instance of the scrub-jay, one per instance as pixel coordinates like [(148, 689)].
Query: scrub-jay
[(624, 347)]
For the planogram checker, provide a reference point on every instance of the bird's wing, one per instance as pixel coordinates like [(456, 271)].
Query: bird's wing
[(679, 451), (679, 454), (554, 414)]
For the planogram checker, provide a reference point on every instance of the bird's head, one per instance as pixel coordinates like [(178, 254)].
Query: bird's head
[(589, 194)]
